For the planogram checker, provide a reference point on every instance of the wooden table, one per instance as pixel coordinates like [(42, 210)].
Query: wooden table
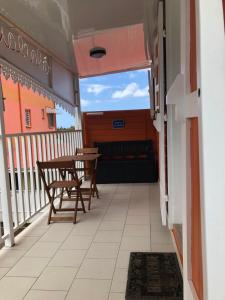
[(91, 158), (80, 157)]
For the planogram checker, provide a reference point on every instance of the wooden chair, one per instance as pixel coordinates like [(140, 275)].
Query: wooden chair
[(80, 151), (71, 187)]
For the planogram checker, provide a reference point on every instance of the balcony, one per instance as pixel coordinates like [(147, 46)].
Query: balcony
[(27, 191), (88, 260)]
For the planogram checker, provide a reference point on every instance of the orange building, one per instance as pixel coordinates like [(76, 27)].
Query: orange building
[(25, 110)]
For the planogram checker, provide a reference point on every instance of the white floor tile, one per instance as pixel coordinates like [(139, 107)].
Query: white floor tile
[(43, 249), (111, 225), (55, 235), (104, 236), (119, 281), (25, 242), (156, 218), (116, 296), (3, 271), (68, 258), (139, 212), (29, 267), (48, 295), (77, 242), (135, 243), (138, 220), (160, 237), (84, 229), (137, 230), (36, 231), (55, 279), (96, 269), (85, 289), (15, 288), (103, 250), (162, 248), (8, 258), (123, 259)]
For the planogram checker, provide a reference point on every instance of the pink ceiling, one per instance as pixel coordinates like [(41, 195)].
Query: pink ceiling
[(125, 49)]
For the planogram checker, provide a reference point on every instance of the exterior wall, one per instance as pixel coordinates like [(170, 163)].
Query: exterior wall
[(138, 126), (17, 99), (211, 79), (202, 69)]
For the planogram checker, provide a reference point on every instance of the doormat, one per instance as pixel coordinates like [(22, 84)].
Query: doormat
[(154, 276)]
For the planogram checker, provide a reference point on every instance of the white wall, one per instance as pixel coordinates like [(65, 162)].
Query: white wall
[(179, 101), (210, 108), (211, 53)]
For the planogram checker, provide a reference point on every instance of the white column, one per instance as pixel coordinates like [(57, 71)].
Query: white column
[(211, 53), (4, 180), (78, 118), (78, 114)]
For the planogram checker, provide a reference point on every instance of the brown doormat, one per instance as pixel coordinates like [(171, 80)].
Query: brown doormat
[(154, 276)]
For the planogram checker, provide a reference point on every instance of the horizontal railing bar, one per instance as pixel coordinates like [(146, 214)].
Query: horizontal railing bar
[(40, 133)]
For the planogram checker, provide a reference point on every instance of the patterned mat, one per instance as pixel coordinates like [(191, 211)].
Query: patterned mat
[(154, 276)]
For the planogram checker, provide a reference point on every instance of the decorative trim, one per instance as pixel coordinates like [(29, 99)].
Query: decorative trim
[(18, 76), (14, 41)]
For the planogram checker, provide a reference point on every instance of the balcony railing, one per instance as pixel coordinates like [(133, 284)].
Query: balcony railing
[(27, 192)]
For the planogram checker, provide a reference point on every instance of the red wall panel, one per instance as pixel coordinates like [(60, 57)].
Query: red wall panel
[(138, 126), (196, 239)]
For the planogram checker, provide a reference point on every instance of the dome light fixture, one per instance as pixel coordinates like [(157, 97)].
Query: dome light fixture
[(97, 52)]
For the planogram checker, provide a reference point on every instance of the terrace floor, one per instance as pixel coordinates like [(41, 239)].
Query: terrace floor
[(88, 260)]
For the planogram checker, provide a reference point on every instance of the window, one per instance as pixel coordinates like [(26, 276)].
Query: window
[(43, 113), (28, 118), (51, 120)]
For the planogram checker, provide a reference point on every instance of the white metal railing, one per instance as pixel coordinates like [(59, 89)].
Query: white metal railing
[(27, 191)]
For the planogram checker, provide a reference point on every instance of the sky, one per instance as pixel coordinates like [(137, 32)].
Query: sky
[(120, 91)]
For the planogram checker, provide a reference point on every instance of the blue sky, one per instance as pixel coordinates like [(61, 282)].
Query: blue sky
[(120, 91)]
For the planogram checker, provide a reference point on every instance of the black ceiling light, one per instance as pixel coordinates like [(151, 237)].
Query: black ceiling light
[(97, 52)]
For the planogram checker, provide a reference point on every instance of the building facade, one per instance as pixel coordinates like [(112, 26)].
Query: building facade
[(26, 111)]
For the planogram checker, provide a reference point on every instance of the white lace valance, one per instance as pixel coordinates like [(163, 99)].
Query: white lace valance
[(18, 76)]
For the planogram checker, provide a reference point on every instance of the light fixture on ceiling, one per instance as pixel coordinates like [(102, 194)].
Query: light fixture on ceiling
[(97, 52)]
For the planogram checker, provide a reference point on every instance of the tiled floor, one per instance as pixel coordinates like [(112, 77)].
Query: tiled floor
[(88, 260)]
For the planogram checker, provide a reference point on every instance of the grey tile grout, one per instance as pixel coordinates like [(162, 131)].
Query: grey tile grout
[(119, 247), (86, 253), (102, 219)]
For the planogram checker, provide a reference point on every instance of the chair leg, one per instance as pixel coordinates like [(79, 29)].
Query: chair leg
[(75, 209), (95, 189), (89, 200), (52, 208), (61, 198), (79, 194)]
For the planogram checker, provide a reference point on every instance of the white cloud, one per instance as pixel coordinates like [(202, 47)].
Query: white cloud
[(97, 88), (84, 102), (131, 90)]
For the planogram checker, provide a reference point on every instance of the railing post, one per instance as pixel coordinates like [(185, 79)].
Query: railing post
[(4, 180)]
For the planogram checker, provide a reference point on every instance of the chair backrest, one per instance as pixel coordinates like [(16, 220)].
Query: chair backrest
[(87, 150), (62, 166)]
